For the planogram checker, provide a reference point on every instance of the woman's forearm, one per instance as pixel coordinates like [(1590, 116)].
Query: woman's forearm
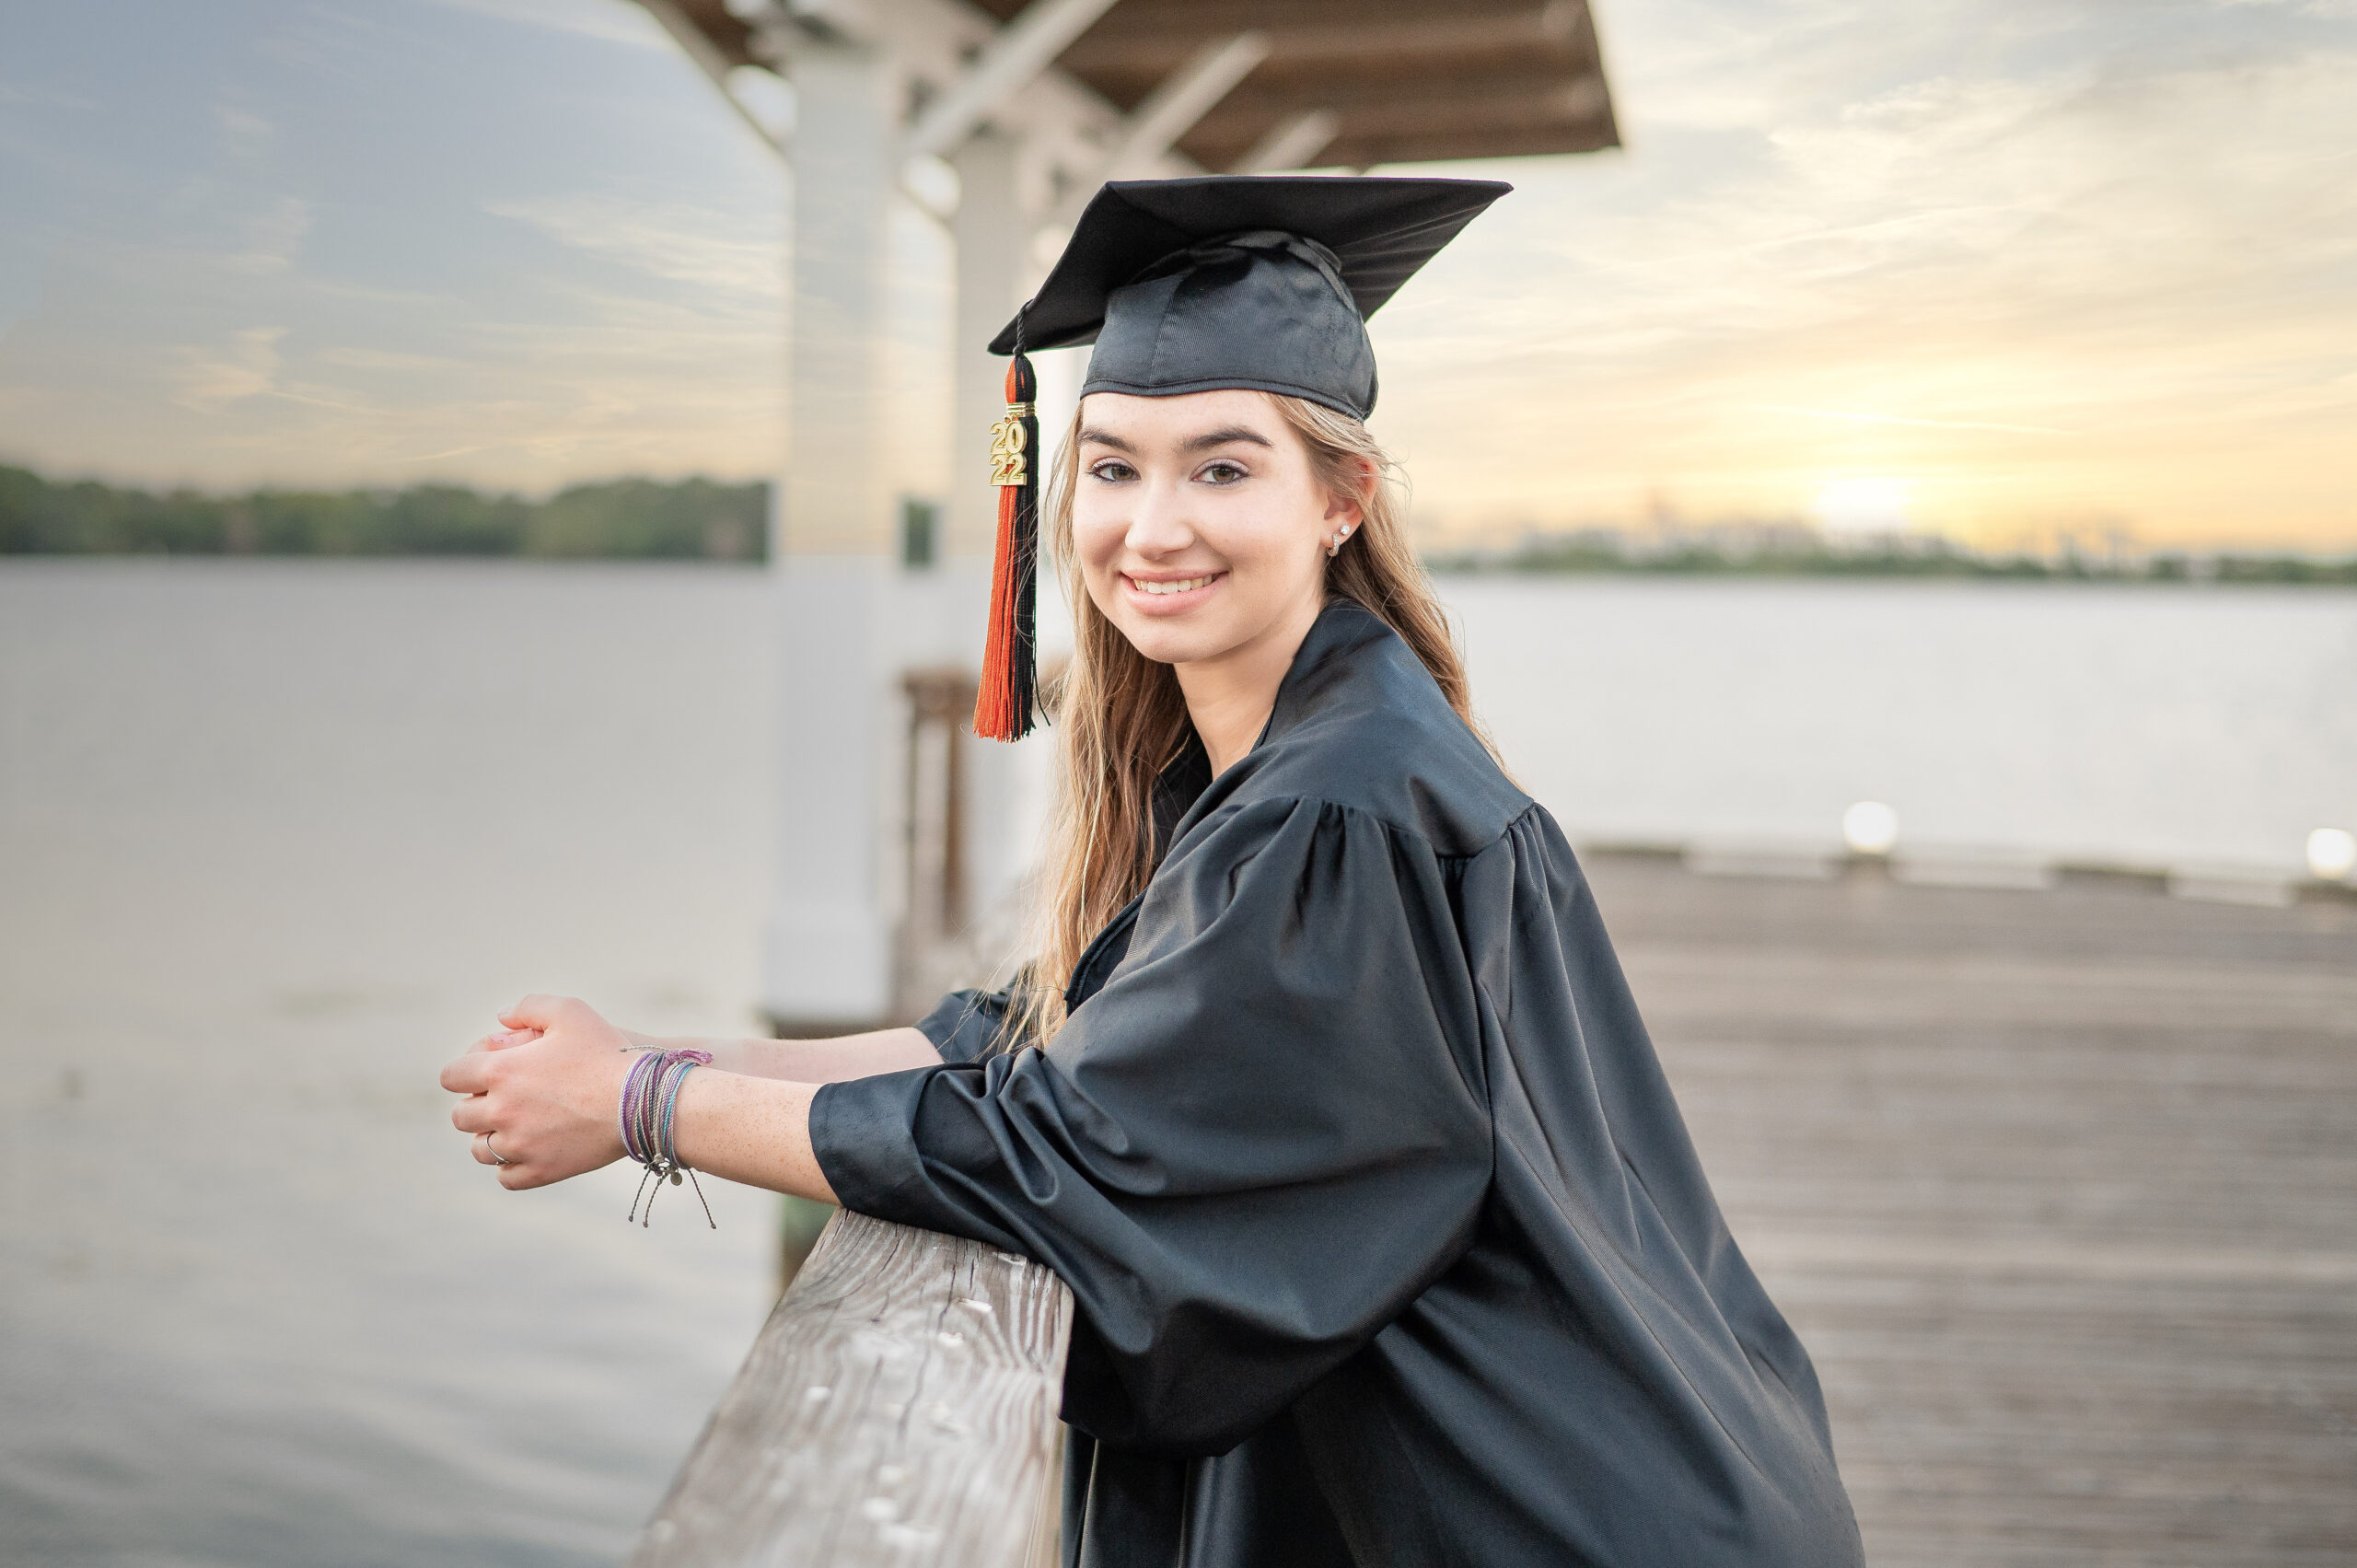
[(753, 1130), (820, 1061), (747, 1116), (540, 1099)]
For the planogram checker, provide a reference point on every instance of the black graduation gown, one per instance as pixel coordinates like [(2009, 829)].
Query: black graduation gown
[(1388, 1242)]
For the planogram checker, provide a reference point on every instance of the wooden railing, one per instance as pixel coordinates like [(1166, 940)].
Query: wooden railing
[(899, 1408)]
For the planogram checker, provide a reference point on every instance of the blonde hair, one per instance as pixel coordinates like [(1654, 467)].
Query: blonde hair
[(1121, 719)]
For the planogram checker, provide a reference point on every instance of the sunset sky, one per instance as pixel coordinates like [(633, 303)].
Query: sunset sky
[(2002, 269)]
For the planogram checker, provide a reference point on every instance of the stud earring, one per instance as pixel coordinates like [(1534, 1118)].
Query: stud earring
[(1334, 545)]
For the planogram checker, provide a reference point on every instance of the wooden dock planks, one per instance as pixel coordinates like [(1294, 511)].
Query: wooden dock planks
[(2059, 1187)]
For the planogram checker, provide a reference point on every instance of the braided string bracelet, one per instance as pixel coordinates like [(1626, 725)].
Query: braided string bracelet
[(650, 1099)]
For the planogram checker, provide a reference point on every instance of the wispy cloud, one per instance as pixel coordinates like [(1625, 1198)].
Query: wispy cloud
[(23, 95), (381, 240), (2025, 256), (244, 134), (390, 359), (710, 249), (610, 21), (209, 379), (1850, 417), (273, 237)]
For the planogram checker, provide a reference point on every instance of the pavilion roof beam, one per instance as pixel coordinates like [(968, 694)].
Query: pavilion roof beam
[(698, 46), (1318, 32), (1168, 112), (1019, 52), (1183, 98), (1291, 142)]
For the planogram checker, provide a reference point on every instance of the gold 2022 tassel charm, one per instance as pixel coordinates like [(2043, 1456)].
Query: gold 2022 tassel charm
[(1010, 448)]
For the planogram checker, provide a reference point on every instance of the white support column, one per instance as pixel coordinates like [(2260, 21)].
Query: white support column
[(992, 238), (837, 498), (828, 961)]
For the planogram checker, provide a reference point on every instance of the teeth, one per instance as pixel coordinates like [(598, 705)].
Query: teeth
[(1178, 588)]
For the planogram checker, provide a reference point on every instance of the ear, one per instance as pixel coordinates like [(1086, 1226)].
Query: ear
[(1348, 509)]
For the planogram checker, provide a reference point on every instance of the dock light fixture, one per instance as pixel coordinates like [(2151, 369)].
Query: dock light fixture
[(2332, 854), (1870, 828)]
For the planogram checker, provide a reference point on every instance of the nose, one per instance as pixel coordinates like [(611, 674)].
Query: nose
[(1159, 524)]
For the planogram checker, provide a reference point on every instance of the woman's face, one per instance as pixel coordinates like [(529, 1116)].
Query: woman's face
[(1199, 524)]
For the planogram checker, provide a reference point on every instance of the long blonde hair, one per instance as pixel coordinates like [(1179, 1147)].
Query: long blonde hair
[(1120, 718)]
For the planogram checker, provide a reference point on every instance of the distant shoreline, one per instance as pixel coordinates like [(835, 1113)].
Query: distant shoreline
[(626, 519), (1938, 562), (199, 564), (705, 519)]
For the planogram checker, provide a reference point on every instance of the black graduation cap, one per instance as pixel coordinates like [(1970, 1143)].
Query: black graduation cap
[(1257, 281), (1196, 286)]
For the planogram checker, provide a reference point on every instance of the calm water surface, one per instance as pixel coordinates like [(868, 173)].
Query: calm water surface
[(2164, 726), (275, 839)]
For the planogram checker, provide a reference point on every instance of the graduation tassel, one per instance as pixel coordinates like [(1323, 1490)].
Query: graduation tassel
[(1004, 706)]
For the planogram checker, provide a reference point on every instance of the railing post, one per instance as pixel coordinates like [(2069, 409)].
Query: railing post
[(897, 1411)]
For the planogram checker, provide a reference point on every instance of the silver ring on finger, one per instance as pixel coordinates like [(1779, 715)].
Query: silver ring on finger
[(497, 1157)]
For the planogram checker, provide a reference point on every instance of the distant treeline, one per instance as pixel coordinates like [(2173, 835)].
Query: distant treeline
[(700, 518), (627, 518), (1934, 558)]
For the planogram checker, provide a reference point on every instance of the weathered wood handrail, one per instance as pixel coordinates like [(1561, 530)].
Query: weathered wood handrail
[(898, 1408)]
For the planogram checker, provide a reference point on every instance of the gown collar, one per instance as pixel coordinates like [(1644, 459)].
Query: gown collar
[(1323, 660)]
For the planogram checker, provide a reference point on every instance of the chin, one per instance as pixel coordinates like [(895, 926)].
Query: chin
[(1167, 641)]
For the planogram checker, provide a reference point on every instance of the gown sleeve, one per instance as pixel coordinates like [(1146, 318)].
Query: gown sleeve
[(966, 1026), (1246, 1154)]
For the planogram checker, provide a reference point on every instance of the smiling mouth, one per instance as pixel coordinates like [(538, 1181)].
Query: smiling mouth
[(1183, 584)]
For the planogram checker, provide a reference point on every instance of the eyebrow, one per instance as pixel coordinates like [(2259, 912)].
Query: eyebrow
[(1090, 436), (1222, 437)]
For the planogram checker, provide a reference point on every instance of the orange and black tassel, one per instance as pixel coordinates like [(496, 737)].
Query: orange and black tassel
[(1008, 700)]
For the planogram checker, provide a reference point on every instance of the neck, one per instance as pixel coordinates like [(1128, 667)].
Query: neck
[(1229, 698)]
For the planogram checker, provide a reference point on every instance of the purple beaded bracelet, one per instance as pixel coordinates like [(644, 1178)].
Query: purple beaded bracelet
[(650, 1099)]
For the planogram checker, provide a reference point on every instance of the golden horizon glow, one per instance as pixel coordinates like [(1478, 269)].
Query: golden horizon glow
[(1862, 504), (2070, 274)]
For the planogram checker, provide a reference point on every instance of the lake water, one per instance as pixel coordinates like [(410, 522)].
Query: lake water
[(275, 839), (2182, 728)]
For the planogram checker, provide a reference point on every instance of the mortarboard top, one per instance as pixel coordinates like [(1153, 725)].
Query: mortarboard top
[(1241, 281)]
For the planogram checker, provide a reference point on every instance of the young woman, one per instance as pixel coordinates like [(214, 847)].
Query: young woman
[(1387, 1240)]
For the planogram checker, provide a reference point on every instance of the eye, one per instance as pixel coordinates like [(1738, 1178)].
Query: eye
[(1113, 471), (1221, 471)]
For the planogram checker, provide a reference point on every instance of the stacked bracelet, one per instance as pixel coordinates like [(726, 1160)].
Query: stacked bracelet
[(650, 1099)]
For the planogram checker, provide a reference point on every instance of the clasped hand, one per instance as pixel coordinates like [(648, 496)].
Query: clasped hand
[(541, 1094)]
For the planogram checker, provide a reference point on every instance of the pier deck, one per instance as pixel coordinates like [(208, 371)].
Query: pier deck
[(2059, 1187)]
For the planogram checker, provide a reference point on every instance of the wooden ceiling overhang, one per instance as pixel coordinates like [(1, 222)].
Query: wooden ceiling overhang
[(1398, 81), (1408, 81)]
